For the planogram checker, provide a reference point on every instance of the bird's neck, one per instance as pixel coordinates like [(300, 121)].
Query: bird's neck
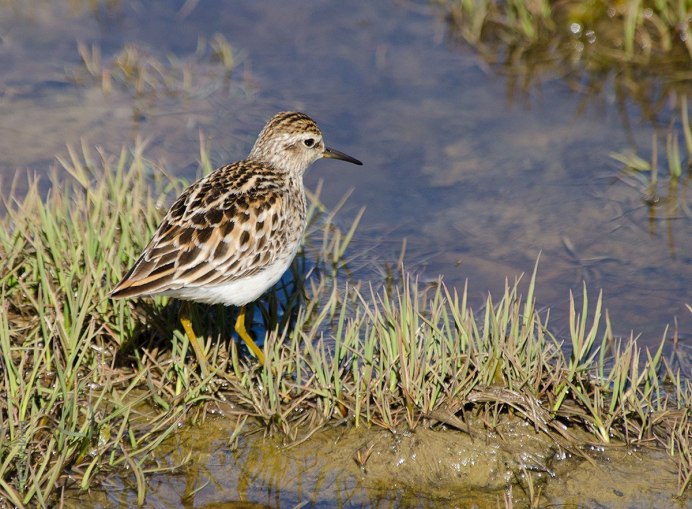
[(292, 168)]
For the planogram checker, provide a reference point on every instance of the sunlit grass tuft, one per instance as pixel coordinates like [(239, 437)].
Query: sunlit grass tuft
[(69, 411), (94, 384)]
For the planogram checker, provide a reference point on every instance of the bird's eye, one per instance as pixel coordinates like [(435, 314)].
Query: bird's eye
[(309, 142)]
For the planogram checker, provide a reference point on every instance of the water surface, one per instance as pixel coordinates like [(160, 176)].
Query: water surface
[(478, 175)]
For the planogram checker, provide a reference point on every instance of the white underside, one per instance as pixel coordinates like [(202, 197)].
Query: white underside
[(235, 293)]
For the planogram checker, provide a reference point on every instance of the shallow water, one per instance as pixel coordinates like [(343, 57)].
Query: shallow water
[(476, 174)]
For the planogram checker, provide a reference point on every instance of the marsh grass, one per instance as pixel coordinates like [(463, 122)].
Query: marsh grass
[(92, 385), (640, 50), (636, 29)]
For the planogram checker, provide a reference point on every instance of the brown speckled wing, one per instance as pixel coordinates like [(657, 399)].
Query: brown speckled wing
[(224, 227)]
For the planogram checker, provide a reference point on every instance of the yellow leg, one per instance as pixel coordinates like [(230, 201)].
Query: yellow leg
[(242, 332), (199, 351)]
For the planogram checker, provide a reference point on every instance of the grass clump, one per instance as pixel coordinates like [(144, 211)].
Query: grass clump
[(94, 385), (69, 411), (643, 47), (632, 30)]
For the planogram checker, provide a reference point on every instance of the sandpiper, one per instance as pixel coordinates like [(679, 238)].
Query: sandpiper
[(231, 235)]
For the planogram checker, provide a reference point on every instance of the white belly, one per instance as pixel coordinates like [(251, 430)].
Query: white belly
[(235, 293)]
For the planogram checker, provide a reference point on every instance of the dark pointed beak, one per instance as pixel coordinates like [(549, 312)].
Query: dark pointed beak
[(335, 154)]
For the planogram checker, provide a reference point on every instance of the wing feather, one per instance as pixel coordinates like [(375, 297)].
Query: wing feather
[(224, 227)]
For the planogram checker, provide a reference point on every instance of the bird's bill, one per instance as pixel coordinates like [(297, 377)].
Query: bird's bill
[(335, 154)]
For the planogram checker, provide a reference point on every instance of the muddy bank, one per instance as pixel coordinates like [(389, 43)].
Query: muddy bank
[(351, 467)]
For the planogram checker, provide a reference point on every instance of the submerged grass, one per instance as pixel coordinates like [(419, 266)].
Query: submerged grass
[(138, 73), (93, 385), (663, 188)]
